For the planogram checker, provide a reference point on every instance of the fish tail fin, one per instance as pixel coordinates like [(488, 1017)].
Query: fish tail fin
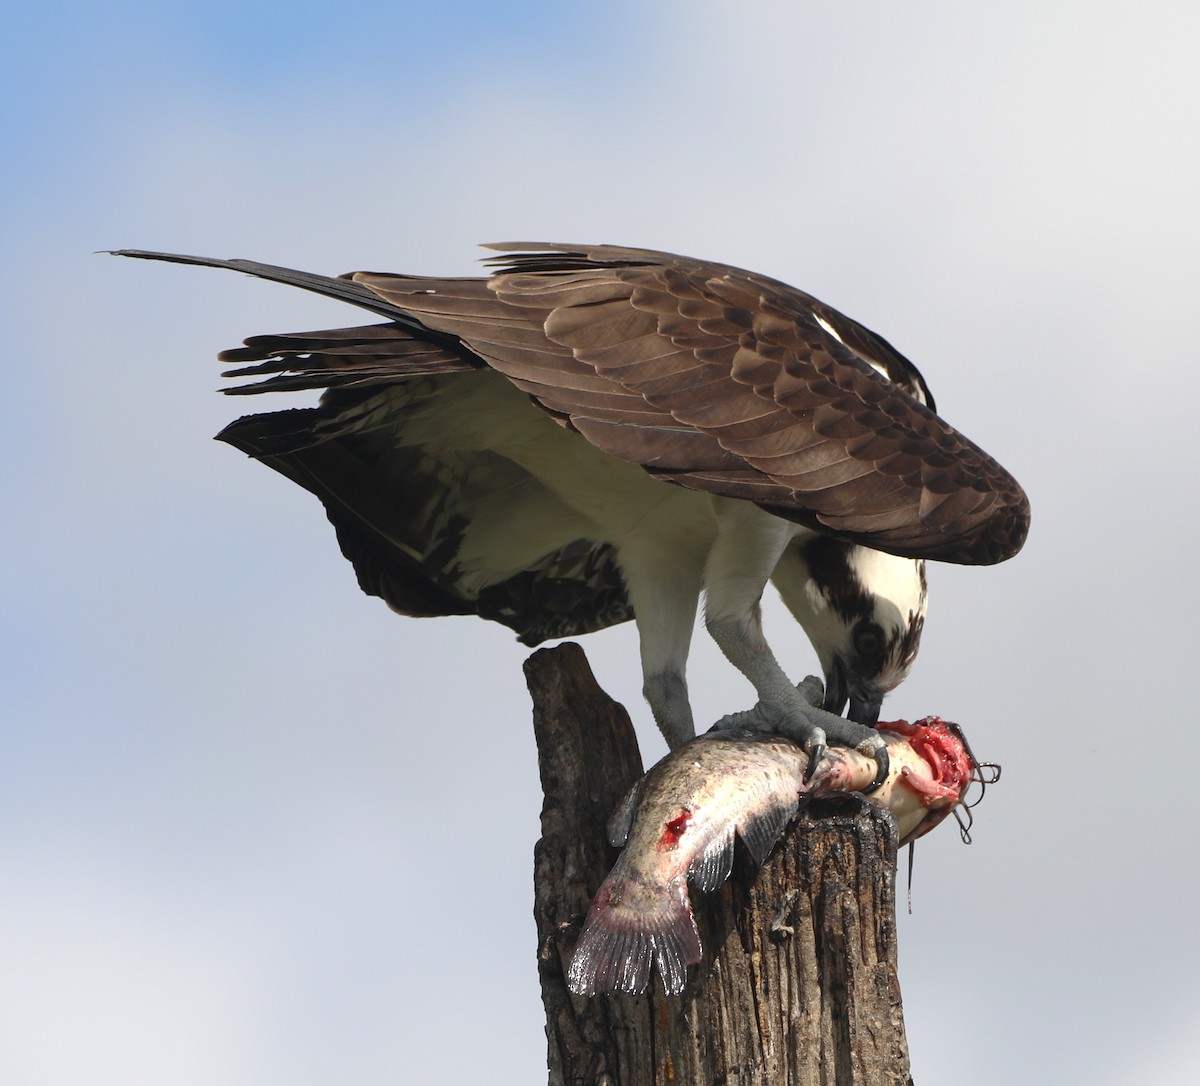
[(626, 929)]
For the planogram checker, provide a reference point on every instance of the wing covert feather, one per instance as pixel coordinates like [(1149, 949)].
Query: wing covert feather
[(854, 452)]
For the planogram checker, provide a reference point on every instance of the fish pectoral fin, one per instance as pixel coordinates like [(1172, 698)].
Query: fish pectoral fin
[(621, 820), (711, 868), (761, 832)]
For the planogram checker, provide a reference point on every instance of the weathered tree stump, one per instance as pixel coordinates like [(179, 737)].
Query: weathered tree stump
[(798, 985)]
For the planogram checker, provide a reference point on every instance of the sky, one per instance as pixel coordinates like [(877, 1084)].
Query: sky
[(254, 828)]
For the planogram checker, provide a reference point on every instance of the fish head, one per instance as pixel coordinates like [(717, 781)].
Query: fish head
[(864, 611)]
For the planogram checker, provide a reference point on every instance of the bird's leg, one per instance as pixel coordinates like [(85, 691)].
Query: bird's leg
[(746, 551), (748, 546), (665, 592)]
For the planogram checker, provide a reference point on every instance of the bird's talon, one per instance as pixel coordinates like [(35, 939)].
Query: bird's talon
[(815, 747), (876, 748)]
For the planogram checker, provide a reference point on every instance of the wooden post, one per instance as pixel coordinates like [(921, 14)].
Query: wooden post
[(798, 985)]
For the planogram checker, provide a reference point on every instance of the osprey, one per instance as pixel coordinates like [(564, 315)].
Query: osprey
[(595, 434)]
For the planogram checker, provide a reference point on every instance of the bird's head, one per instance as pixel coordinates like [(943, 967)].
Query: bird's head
[(863, 610)]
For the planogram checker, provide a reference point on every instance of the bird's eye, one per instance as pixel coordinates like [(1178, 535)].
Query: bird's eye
[(868, 640)]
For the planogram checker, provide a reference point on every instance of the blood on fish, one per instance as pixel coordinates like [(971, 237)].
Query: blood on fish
[(944, 753), (676, 827)]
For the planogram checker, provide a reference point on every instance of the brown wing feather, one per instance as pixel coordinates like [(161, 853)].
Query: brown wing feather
[(715, 378), (779, 410), (337, 356)]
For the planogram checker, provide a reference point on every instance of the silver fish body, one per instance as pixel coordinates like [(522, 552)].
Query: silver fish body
[(679, 822)]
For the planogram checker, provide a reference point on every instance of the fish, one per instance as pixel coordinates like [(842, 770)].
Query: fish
[(679, 822)]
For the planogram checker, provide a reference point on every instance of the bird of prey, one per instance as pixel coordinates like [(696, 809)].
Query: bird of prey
[(593, 434)]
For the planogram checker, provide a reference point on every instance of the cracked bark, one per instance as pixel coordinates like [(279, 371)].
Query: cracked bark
[(798, 986)]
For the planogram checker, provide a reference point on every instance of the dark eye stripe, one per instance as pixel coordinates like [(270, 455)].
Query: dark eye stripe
[(829, 566)]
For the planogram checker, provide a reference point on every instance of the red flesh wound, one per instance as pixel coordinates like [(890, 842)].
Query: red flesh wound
[(675, 829), (944, 753)]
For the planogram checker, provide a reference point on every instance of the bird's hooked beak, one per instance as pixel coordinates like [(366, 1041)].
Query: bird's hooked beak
[(835, 688), (865, 701), (865, 709)]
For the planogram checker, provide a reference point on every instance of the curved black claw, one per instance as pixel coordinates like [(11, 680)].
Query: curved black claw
[(864, 739), (880, 754), (815, 747)]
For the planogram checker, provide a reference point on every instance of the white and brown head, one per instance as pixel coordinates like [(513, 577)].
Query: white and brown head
[(863, 610)]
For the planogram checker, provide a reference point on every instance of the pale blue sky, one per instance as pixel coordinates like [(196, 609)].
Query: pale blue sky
[(254, 829)]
